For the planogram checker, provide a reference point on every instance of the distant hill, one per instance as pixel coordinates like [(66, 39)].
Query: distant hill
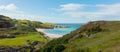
[(15, 27), (21, 35), (7, 22), (96, 36), (16, 33)]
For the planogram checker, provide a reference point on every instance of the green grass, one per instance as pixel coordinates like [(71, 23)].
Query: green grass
[(107, 41), (23, 30), (21, 40)]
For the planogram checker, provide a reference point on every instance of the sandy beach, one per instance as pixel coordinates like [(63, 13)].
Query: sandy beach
[(51, 36)]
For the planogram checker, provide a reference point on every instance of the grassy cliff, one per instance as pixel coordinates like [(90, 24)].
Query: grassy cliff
[(97, 36)]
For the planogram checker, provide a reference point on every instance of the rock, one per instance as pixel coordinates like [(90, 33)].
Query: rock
[(10, 36), (35, 42)]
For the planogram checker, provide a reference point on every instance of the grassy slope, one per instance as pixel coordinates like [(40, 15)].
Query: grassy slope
[(25, 30), (21, 40), (107, 41)]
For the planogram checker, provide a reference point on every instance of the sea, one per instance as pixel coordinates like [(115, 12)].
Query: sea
[(63, 31)]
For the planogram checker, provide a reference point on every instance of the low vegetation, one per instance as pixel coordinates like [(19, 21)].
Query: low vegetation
[(14, 34), (97, 36), (21, 35), (21, 39)]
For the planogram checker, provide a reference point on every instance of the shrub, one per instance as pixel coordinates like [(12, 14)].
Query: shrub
[(58, 48)]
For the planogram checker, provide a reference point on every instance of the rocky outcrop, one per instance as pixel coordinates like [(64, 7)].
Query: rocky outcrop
[(7, 36), (31, 47), (59, 26), (5, 22)]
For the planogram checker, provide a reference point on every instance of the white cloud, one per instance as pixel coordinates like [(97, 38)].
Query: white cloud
[(9, 7), (72, 13), (11, 11), (67, 7), (105, 12), (37, 18), (24, 16)]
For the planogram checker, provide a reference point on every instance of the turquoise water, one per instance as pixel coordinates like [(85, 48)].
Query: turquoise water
[(63, 31)]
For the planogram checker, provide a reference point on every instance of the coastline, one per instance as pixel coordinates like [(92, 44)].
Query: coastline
[(49, 35)]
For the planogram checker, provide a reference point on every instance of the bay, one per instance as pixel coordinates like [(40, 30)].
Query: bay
[(63, 31)]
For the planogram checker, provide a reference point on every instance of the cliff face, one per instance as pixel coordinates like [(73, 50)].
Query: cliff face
[(92, 37)]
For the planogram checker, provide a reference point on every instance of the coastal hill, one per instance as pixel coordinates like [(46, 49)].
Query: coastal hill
[(16, 33), (12, 27), (96, 36), (5, 22), (22, 35)]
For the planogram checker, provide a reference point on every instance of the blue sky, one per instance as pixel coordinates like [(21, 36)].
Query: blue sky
[(61, 11)]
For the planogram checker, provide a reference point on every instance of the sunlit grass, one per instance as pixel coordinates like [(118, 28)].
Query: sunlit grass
[(106, 41), (21, 40)]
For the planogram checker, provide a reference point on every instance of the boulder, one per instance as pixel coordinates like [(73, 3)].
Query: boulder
[(10, 36)]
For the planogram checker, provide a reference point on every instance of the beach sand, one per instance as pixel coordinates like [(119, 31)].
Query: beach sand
[(51, 36)]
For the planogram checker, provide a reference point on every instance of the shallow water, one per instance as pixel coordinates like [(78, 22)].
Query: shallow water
[(63, 31)]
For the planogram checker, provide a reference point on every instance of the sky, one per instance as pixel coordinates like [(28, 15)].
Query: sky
[(61, 11)]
